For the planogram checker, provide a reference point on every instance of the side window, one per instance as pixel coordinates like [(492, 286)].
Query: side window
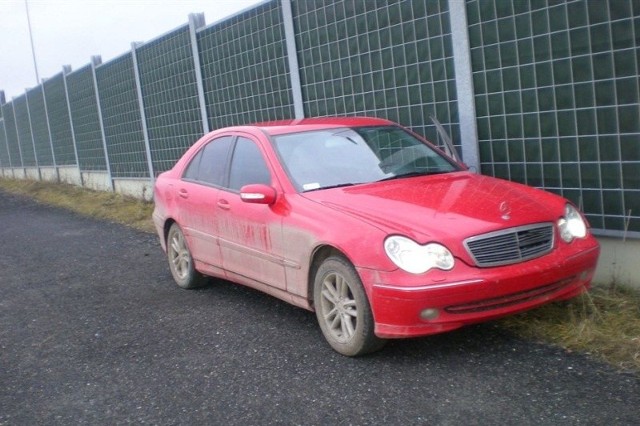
[(214, 160), (248, 165), (192, 169), (208, 166)]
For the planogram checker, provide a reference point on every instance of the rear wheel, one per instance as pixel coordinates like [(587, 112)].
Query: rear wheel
[(343, 310), (180, 260)]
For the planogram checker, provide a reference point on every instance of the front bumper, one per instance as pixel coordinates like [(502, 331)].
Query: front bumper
[(405, 306)]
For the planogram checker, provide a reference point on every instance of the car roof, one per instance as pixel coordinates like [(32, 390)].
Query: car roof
[(307, 124)]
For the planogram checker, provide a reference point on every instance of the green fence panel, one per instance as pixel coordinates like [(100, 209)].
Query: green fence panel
[(244, 68), (39, 127), (5, 160), (4, 154), (86, 121), (23, 128), (558, 100), (121, 118), (12, 136), (170, 96), (59, 123), (389, 59)]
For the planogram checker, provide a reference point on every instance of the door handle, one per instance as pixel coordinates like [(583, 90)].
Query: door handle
[(224, 204), (183, 193)]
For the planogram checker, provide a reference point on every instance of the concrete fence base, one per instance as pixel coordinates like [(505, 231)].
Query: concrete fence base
[(70, 174), (49, 174), (619, 262), (18, 173), (138, 188), (32, 173), (98, 181)]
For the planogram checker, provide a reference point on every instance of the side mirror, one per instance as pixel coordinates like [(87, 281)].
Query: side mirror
[(258, 194)]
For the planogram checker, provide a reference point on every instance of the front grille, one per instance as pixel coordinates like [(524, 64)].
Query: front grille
[(511, 245)]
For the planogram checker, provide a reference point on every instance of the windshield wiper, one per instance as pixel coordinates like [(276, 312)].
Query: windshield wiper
[(339, 185), (412, 174)]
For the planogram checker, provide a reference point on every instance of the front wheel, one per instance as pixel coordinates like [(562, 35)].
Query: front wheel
[(343, 310), (180, 260)]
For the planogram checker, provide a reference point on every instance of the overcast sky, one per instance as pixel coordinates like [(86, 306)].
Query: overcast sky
[(69, 32)]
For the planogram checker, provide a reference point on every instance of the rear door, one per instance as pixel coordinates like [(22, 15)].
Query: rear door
[(198, 195)]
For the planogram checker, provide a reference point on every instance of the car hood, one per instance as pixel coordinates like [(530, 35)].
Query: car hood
[(443, 207)]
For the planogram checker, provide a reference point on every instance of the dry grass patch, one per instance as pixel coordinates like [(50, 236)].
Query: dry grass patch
[(604, 322), (103, 205)]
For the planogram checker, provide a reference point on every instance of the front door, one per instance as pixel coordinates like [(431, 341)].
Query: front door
[(250, 235)]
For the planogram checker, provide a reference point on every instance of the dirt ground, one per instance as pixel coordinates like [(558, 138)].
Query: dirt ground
[(93, 331)]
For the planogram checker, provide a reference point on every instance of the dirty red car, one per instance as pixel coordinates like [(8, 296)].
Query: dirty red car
[(370, 226)]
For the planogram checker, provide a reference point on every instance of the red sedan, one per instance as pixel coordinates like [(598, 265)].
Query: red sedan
[(368, 225)]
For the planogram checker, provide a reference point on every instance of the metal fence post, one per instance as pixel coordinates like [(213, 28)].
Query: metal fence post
[(464, 83), (66, 70), (95, 61), (143, 115), (196, 21), (292, 58)]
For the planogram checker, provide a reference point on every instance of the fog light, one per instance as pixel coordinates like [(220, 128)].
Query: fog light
[(429, 314)]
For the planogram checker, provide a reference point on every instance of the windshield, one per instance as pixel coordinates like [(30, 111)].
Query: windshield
[(349, 156)]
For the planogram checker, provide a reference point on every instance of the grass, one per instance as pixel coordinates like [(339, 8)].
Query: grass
[(99, 204), (604, 322)]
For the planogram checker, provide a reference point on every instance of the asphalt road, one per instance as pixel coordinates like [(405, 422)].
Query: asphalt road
[(93, 331)]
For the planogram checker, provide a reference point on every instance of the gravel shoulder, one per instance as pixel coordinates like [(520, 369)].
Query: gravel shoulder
[(94, 331)]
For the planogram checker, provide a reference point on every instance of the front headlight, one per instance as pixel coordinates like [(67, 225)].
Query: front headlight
[(571, 225), (417, 259)]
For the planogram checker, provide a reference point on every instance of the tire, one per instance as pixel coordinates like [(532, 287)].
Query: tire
[(343, 310), (180, 260)]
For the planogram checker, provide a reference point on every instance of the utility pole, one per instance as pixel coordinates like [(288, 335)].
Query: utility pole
[(33, 51)]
